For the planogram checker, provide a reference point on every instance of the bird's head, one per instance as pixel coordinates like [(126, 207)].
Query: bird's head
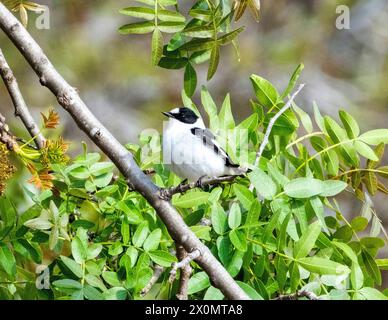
[(184, 115)]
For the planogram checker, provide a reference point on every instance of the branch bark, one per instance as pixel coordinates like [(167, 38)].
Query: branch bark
[(21, 109), (158, 270), (167, 193), (5, 136), (186, 271), (69, 99), (272, 123), (270, 126), (300, 294)]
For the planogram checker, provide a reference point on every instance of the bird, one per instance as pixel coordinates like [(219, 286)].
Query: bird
[(191, 151)]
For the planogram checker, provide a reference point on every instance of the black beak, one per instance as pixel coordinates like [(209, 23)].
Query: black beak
[(167, 114)]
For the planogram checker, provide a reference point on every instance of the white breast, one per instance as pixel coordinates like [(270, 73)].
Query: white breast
[(186, 155)]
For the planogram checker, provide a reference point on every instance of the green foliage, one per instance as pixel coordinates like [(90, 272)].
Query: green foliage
[(196, 36), (101, 240)]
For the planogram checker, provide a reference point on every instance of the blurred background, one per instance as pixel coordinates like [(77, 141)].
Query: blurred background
[(345, 69)]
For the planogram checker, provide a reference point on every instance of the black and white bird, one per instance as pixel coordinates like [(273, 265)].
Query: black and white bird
[(191, 150)]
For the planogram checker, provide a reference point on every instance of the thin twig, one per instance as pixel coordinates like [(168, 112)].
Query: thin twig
[(167, 193), (270, 126), (21, 109), (158, 270), (185, 274), (69, 98), (183, 263), (300, 294)]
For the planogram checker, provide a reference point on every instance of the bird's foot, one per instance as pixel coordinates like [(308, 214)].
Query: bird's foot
[(199, 183), (165, 194)]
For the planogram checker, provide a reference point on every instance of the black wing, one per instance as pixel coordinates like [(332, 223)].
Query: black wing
[(209, 140)]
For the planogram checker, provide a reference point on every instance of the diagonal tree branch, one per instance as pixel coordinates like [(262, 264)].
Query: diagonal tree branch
[(69, 99), (21, 109)]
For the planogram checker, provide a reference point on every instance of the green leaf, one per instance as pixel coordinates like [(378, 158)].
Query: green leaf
[(162, 258), (331, 188), (226, 116), (157, 47), (7, 260), (94, 250), (190, 80), (139, 12), (238, 239), (375, 137), (219, 219), (253, 214), (372, 242), (200, 14), (229, 37), (191, 199), (199, 31), (153, 240), (115, 249), (101, 168), (225, 249), (304, 118), (111, 278), (372, 294), (92, 293), (350, 124), (171, 26), (214, 61), (140, 234), (323, 266), (359, 223), (137, 28), (202, 232), (236, 263), (306, 243), (67, 284), (366, 151), (198, 282), (172, 16), (78, 250), (198, 45), (265, 92), (371, 267), (338, 135), (234, 217), (293, 80), (302, 188), (39, 224), (347, 250), (244, 195), (318, 118), (356, 276), (172, 63), (213, 294), (252, 293), (73, 266), (263, 183)]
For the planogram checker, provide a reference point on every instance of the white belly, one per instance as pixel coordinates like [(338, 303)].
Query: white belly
[(188, 158)]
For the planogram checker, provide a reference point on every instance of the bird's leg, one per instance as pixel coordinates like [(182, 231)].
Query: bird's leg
[(180, 185), (199, 183), (167, 193)]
